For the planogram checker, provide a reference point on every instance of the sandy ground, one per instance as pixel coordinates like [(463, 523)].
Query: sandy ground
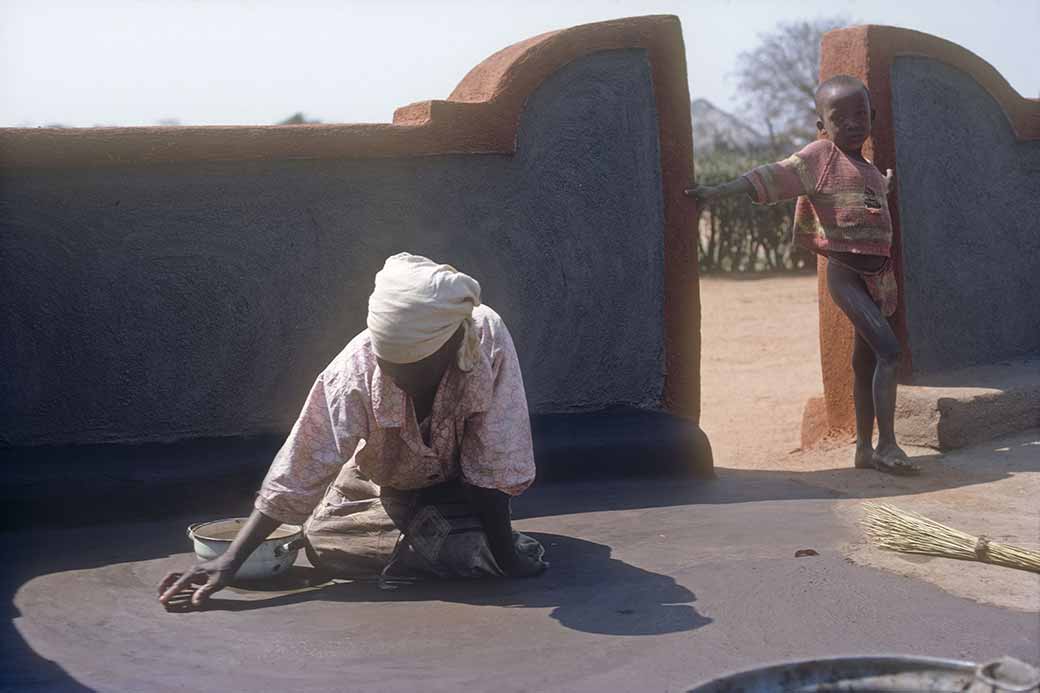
[(760, 363)]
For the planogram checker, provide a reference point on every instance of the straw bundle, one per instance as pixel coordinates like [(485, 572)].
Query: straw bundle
[(907, 532)]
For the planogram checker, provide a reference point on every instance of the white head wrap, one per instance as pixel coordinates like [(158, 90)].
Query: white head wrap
[(417, 305)]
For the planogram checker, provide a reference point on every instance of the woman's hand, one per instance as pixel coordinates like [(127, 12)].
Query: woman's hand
[(492, 507), (209, 577), (213, 575), (524, 566), (890, 181)]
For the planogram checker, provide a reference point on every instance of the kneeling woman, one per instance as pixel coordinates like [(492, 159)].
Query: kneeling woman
[(408, 449)]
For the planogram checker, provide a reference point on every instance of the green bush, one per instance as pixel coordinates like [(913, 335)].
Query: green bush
[(736, 235)]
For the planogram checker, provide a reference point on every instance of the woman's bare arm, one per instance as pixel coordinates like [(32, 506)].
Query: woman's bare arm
[(215, 574)]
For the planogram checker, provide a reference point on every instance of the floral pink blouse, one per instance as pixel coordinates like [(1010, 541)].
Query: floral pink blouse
[(356, 417)]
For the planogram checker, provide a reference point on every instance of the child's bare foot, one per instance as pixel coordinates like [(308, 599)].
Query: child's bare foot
[(892, 460), (864, 456)]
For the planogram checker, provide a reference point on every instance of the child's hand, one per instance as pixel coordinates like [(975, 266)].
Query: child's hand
[(890, 181), (701, 193)]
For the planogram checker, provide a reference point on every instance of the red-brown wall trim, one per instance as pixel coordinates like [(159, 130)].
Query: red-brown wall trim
[(867, 52), (481, 116)]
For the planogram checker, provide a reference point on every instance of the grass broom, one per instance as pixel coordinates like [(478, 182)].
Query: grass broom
[(907, 532)]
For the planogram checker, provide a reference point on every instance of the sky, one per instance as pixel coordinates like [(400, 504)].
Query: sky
[(228, 62)]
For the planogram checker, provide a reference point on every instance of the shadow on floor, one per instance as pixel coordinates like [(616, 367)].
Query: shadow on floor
[(999, 460), (586, 589)]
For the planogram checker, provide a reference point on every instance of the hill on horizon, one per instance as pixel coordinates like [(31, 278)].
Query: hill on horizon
[(714, 128)]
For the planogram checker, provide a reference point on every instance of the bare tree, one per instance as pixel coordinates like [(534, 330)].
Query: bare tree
[(777, 79)]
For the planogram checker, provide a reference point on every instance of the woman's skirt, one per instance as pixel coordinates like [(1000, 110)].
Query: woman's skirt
[(361, 531)]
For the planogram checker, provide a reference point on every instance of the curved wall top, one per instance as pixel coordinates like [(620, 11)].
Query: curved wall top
[(870, 53)]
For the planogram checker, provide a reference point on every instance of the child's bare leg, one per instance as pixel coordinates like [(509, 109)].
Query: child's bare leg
[(849, 292), (863, 366)]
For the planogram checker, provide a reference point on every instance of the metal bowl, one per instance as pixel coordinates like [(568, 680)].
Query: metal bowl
[(273, 557), (880, 675)]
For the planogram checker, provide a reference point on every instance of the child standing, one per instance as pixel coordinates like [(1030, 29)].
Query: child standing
[(842, 213)]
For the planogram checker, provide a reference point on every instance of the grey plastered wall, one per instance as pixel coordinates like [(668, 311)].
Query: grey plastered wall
[(969, 197), (165, 301)]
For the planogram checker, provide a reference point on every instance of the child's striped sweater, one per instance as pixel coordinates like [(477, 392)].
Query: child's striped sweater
[(842, 203)]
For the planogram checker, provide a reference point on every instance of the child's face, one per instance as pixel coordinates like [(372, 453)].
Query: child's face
[(846, 116)]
